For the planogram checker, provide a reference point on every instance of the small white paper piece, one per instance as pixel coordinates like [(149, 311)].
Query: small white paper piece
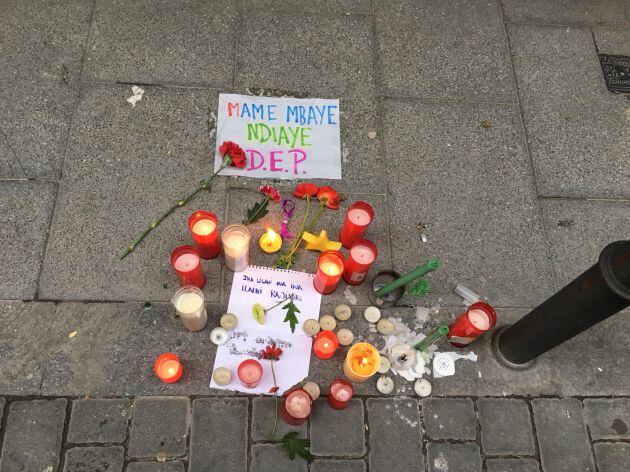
[(443, 365), (268, 286), (246, 343), (138, 92)]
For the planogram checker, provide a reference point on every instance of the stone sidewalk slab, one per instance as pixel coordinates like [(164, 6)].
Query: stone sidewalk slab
[(263, 414), (608, 418), (347, 438), (320, 56), (42, 46), (125, 167), (170, 466), (512, 465), (272, 458), (577, 134), (611, 457), (464, 457), (612, 41), (565, 12), (506, 427), (94, 459), (219, 435), (338, 465), (99, 421), (33, 435), (562, 436), (314, 6), (476, 200), (449, 418), (25, 213), (154, 43), (444, 50)]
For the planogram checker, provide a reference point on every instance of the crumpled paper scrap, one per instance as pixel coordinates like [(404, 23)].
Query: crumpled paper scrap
[(137, 95)]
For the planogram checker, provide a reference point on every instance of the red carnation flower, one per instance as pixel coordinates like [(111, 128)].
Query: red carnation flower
[(328, 197), (304, 190), (270, 192), (271, 353), (229, 148)]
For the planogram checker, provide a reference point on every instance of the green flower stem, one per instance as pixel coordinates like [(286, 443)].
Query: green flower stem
[(227, 160), (279, 303), (275, 396), (285, 259)]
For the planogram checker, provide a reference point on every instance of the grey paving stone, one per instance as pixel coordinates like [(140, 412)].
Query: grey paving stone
[(427, 48), (170, 466), (506, 427), (94, 459), (156, 43), (578, 230), (608, 418), (338, 465), (562, 436), (25, 212), (467, 170), (124, 167), (611, 457), (219, 435), (263, 412), (318, 6), (42, 51), (449, 418), (460, 457), (590, 12), (99, 421), (577, 135), (312, 54), (612, 41), (32, 439), (398, 420), (347, 438), (159, 425), (271, 458), (512, 465)]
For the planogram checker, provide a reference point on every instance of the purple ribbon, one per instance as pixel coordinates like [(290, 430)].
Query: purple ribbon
[(288, 207)]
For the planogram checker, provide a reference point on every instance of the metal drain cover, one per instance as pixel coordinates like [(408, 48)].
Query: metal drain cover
[(616, 71)]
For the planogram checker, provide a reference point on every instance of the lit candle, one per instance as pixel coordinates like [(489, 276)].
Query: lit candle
[(270, 241), (168, 368), (329, 270), (235, 240), (479, 318), (358, 217), (340, 394), (204, 230), (187, 263), (250, 373), (362, 254), (189, 303), (296, 406), (325, 344), (362, 362)]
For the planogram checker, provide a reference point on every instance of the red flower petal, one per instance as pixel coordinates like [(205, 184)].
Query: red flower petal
[(306, 189), (328, 197), (274, 389)]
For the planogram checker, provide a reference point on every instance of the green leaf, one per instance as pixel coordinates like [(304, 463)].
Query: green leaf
[(256, 212), (293, 445), (147, 305), (290, 317)]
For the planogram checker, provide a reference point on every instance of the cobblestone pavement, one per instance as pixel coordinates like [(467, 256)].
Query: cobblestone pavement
[(483, 124)]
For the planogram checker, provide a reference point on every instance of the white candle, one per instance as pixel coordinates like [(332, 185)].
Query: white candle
[(359, 216), (204, 227), (235, 240), (362, 254), (479, 319), (186, 262), (189, 303)]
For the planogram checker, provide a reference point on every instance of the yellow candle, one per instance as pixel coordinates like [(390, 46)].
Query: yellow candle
[(362, 362), (270, 241)]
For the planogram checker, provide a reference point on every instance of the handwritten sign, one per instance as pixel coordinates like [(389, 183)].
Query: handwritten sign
[(283, 138), (268, 286)]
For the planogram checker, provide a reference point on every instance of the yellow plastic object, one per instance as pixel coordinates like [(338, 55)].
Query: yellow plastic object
[(321, 242)]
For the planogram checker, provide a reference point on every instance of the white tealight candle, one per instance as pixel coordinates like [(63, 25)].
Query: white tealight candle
[(422, 387), (327, 322), (385, 385), (372, 314), (312, 389), (345, 337), (343, 312)]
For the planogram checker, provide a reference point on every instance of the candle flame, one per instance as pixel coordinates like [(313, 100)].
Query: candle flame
[(364, 361), (271, 236)]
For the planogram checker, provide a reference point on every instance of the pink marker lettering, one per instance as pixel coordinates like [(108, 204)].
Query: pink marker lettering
[(273, 159), (250, 158), (298, 156)]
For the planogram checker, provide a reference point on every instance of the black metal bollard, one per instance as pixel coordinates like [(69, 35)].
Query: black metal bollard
[(600, 292)]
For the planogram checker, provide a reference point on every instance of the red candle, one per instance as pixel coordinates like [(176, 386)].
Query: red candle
[(329, 271), (250, 373), (325, 344), (479, 318), (359, 215), (203, 227), (362, 254), (296, 406), (168, 368), (341, 392), (187, 263)]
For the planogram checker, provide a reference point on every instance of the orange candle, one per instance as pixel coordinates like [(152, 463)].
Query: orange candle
[(168, 368), (362, 362)]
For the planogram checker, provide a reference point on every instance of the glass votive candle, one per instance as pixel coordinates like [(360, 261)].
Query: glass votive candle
[(190, 306), (362, 362), (340, 394), (250, 373), (325, 344), (362, 254), (168, 368), (359, 215), (187, 264), (235, 239), (329, 271), (204, 229), (478, 319), (296, 406)]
